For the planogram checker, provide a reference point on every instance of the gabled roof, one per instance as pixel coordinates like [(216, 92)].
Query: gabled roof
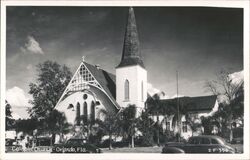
[(202, 103), (106, 80), (131, 52)]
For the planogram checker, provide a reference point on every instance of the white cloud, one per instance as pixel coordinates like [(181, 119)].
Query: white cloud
[(16, 97), (179, 95), (15, 116), (164, 96), (236, 77), (152, 91), (32, 46), (29, 67)]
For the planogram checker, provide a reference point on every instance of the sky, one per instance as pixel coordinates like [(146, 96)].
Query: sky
[(195, 41)]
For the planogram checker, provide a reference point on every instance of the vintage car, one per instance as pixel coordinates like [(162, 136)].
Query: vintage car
[(12, 146), (76, 145), (200, 144)]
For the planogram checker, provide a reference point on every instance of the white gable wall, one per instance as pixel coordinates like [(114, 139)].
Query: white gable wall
[(74, 99)]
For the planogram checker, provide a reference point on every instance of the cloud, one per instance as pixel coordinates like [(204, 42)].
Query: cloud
[(236, 77), (16, 116), (16, 97), (29, 67), (32, 46), (152, 91), (179, 95)]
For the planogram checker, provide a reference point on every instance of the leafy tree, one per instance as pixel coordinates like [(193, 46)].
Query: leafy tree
[(233, 93), (46, 90), (9, 121), (26, 125)]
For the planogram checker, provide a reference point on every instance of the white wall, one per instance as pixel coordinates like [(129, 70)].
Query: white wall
[(73, 99), (135, 75)]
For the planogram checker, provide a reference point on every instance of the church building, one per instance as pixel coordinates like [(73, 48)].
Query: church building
[(93, 89)]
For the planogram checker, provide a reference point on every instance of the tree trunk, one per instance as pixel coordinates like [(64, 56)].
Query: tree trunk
[(158, 128), (88, 132), (231, 129), (132, 141), (158, 137), (231, 135), (110, 141)]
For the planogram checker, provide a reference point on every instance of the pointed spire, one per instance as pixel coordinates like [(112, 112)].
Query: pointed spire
[(131, 52)]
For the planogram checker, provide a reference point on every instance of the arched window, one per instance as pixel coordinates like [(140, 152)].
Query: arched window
[(92, 111), (85, 112), (78, 120), (142, 91), (126, 89)]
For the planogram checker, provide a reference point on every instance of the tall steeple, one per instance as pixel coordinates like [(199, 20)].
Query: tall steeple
[(131, 52)]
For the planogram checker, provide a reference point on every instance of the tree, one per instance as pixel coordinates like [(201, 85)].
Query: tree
[(109, 125), (206, 122), (224, 86), (9, 121), (51, 81), (233, 106), (154, 106), (178, 107), (57, 123), (26, 125), (146, 126), (128, 122)]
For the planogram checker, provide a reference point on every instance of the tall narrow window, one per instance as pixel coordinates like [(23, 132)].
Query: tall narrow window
[(142, 91), (78, 120), (126, 89), (85, 112), (92, 111)]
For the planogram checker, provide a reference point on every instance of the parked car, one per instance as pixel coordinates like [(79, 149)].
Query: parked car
[(76, 145), (12, 146), (200, 144)]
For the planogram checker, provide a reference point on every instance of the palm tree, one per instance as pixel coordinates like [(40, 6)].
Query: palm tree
[(146, 127), (109, 126), (86, 125), (128, 122), (57, 124), (179, 112), (155, 107)]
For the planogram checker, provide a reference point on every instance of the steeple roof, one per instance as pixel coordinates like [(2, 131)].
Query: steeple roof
[(131, 52)]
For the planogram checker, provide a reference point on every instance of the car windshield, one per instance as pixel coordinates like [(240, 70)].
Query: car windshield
[(221, 141)]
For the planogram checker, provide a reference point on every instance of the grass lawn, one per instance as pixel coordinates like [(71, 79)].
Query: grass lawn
[(133, 150)]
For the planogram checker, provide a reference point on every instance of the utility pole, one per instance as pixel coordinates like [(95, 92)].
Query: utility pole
[(178, 116)]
